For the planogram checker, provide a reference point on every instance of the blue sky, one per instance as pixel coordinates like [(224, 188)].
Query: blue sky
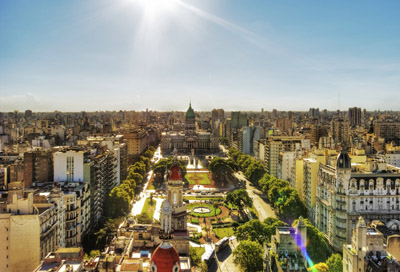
[(91, 55)]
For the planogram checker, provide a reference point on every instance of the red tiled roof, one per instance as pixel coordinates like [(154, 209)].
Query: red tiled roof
[(165, 257)]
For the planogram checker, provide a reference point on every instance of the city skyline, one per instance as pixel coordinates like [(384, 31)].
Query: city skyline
[(135, 54)]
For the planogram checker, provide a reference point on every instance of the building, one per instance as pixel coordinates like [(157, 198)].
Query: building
[(389, 130), (29, 231), (288, 248), (68, 165), (367, 251), (63, 259), (137, 143), (190, 139), (249, 136), (238, 120), (344, 194), (271, 148), (38, 167), (174, 212), (354, 116), (340, 131)]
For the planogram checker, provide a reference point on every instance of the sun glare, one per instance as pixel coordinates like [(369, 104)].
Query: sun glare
[(157, 7)]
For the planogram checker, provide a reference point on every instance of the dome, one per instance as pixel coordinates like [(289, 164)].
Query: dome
[(190, 112), (165, 259), (343, 160), (175, 173)]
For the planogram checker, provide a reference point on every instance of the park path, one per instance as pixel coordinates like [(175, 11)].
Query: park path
[(157, 210)]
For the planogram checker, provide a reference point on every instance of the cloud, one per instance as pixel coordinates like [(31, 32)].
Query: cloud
[(21, 102)]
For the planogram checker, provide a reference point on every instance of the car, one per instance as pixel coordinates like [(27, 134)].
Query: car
[(203, 193)]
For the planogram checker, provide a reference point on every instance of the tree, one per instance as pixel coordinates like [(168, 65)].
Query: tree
[(132, 175), (203, 267), (194, 257), (144, 218), (319, 267), (107, 232), (335, 263), (224, 141), (162, 165), (139, 167), (271, 225), (292, 207), (127, 188), (118, 203), (255, 171), (215, 206), (239, 198), (253, 230), (131, 183), (145, 161), (149, 154), (317, 245), (221, 169), (249, 256), (207, 229)]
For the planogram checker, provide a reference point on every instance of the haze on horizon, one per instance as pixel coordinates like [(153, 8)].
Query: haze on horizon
[(160, 54)]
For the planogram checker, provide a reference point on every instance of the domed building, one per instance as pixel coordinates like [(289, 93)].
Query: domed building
[(165, 259), (190, 139), (173, 232)]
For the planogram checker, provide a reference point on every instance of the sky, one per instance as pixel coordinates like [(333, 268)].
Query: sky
[(74, 55)]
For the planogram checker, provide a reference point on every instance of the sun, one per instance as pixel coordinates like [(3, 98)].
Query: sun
[(157, 7)]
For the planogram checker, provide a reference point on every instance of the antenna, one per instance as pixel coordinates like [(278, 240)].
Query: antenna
[(339, 101)]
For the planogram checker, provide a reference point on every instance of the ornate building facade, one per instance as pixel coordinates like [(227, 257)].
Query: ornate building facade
[(343, 195), (190, 139)]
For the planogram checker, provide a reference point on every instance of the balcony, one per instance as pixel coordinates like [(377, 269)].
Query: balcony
[(340, 228), (341, 220)]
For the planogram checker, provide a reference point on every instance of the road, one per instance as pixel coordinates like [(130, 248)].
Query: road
[(263, 208), (225, 258)]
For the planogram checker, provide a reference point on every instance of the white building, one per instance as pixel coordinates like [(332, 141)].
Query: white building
[(343, 195), (68, 165)]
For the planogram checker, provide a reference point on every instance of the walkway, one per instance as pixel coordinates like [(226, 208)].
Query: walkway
[(157, 210)]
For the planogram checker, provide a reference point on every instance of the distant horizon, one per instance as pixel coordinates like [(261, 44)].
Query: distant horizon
[(195, 110), (73, 55)]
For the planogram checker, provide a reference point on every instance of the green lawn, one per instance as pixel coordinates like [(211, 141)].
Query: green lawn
[(212, 213), (223, 232), (149, 209), (200, 251), (202, 178)]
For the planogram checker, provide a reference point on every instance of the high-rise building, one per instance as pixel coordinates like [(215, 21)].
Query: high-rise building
[(38, 167), (389, 130), (354, 116), (249, 136), (271, 147), (238, 120), (137, 143), (340, 131)]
